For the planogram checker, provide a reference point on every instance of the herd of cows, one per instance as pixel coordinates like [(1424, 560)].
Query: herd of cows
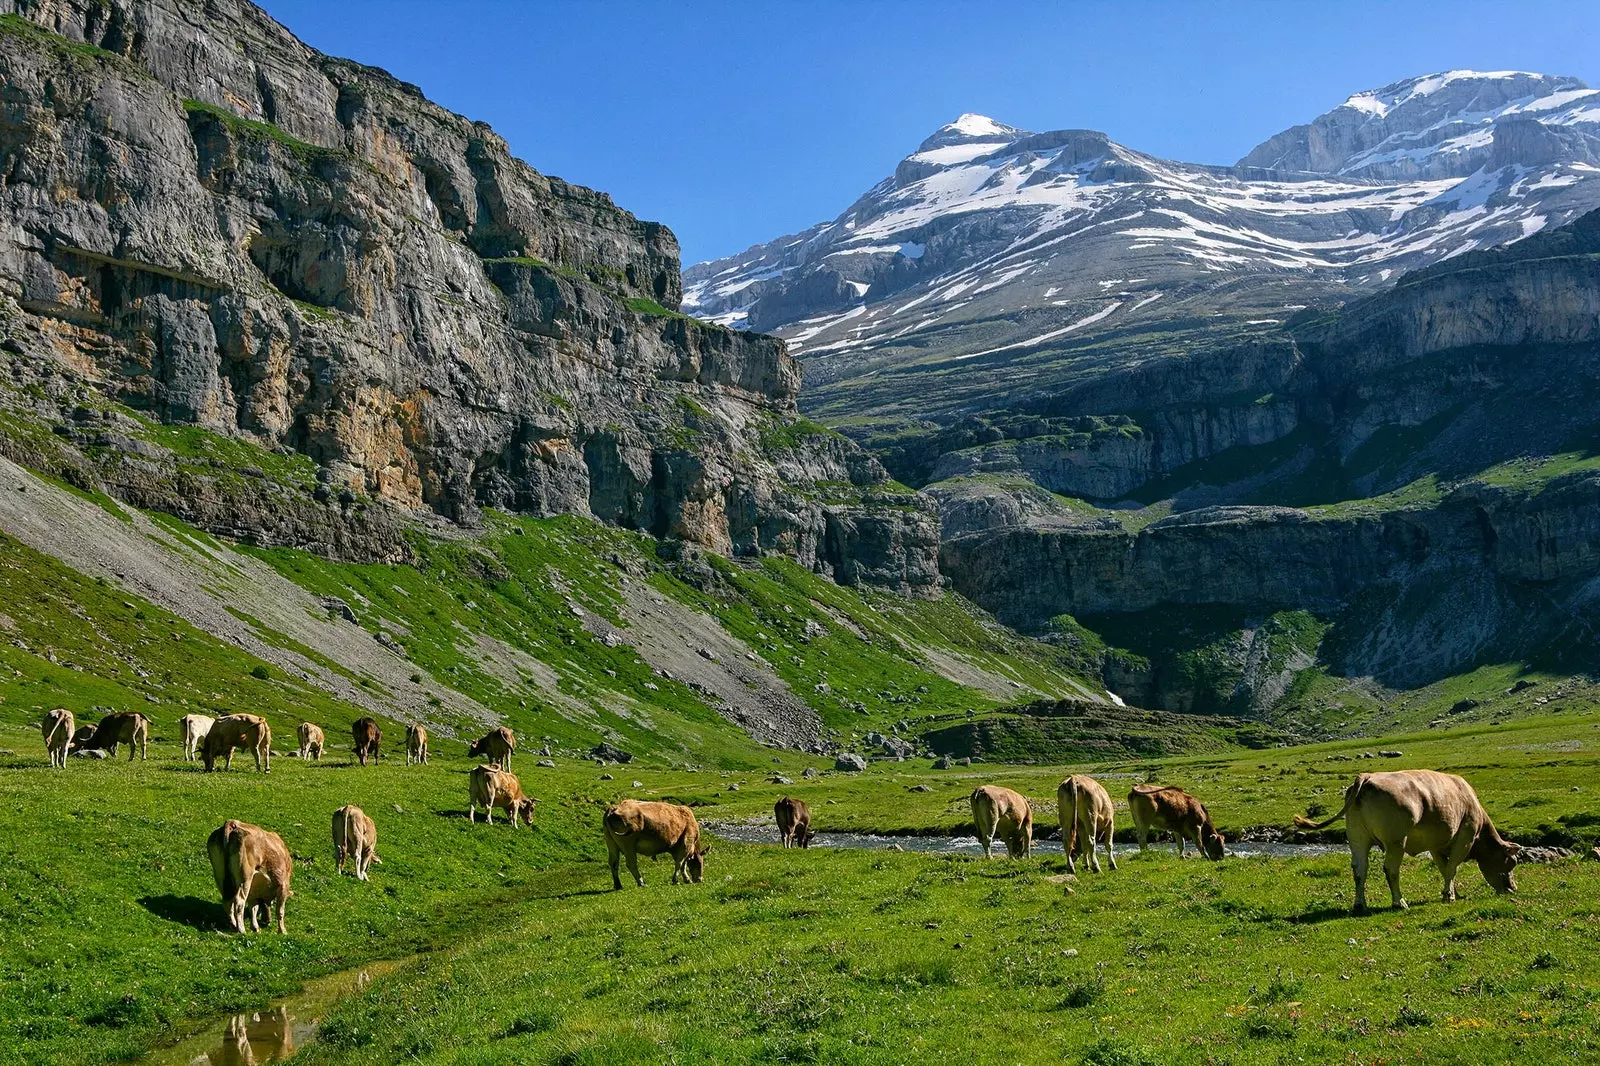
[(1405, 812)]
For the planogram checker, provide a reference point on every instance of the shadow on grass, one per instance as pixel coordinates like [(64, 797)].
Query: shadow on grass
[(203, 914)]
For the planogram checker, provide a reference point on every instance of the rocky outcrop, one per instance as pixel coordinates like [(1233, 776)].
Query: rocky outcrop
[(208, 221)]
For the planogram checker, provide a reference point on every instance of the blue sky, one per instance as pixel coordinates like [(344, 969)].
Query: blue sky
[(737, 122)]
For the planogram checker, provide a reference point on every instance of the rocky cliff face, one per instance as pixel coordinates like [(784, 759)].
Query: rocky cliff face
[(205, 220), (1439, 438)]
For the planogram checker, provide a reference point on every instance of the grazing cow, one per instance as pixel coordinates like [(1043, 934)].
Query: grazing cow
[(416, 744), (123, 727), (496, 747), (649, 828), (354, 837), (492, 787), (311, 741), (251, 866), (1407, 812), (794, 822), (56, 727), (1158, 807), (238, 731), (194, 728), (367, 736), (1087, 818), (1000, 812)]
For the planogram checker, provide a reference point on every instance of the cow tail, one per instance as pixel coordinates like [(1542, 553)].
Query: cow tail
[(1350, 794), (58, 722), (1072, 824)]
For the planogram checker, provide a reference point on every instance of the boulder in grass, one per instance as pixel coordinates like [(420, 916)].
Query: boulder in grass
[(850, 762)]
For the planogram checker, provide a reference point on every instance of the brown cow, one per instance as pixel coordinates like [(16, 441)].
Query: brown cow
[(1157, 807), (238, 731), (56, 728), (648, 828), (123, 727), (492, 787), (495, 747), (367, 737), (1407, 812), (1087, 818), (82, 740), (251, 865), (194, 728), (416, 744), (1001, 812), (311, 740), (794, 822), (354, 837)]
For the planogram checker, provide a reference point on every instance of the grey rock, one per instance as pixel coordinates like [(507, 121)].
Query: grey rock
[(849, 761), (548, 764), (943, 762), (809, 772), (607, 752)]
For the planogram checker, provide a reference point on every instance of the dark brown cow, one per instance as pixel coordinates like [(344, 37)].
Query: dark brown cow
[(794, 822), (649, 828), (237, 731), (1407, 812), (1157, 807), (367, 737), (496, 747), (123, 727), (251, 866)]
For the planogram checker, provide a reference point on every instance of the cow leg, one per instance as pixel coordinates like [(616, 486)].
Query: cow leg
[(612, 855), (488, 812), (227, 764), (1360, 854), (1392, 858), (283, 908), (472, 812), (1087, 833), (1111, 856), (1144, 835), (1447, 869), (633, 867)]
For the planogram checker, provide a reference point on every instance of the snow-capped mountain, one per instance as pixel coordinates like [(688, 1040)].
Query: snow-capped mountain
[(996, 260)]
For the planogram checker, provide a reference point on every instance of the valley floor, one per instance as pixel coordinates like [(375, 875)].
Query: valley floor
[(109, 942)]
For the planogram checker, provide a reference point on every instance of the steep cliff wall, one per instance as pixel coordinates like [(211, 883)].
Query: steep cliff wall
[(1439, 441), (206, 220)]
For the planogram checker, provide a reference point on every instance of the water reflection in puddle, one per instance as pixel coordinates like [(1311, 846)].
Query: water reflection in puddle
[(273, 1033), (748, 833)]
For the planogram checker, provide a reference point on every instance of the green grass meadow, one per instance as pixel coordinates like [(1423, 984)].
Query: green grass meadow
[(517, 950)]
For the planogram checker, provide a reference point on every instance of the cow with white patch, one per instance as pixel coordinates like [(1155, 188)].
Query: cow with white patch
[(491, 787), (193, 728), (233, 731), (1408, 812), (56, 727), (1163, 807), (650, 828), (1087, 819), (311, 740), (1000, 812), (355, 838), (252, 868)]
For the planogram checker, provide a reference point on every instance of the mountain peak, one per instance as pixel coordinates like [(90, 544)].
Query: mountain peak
[(970, 128), (1433, 126), (1379, 102)]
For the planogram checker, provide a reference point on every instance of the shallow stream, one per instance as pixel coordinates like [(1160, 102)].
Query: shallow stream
[(757, 833)]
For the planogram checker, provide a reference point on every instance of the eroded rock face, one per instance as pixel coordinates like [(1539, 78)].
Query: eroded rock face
[(219, 225)]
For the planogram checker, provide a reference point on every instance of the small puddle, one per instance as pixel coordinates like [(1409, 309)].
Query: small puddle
[(746, 833), (273, 1033)]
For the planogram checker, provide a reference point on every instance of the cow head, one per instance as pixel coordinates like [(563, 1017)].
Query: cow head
[(1212, 842), (695, 865), (525, 807), (1497, 858), (476, 750)]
